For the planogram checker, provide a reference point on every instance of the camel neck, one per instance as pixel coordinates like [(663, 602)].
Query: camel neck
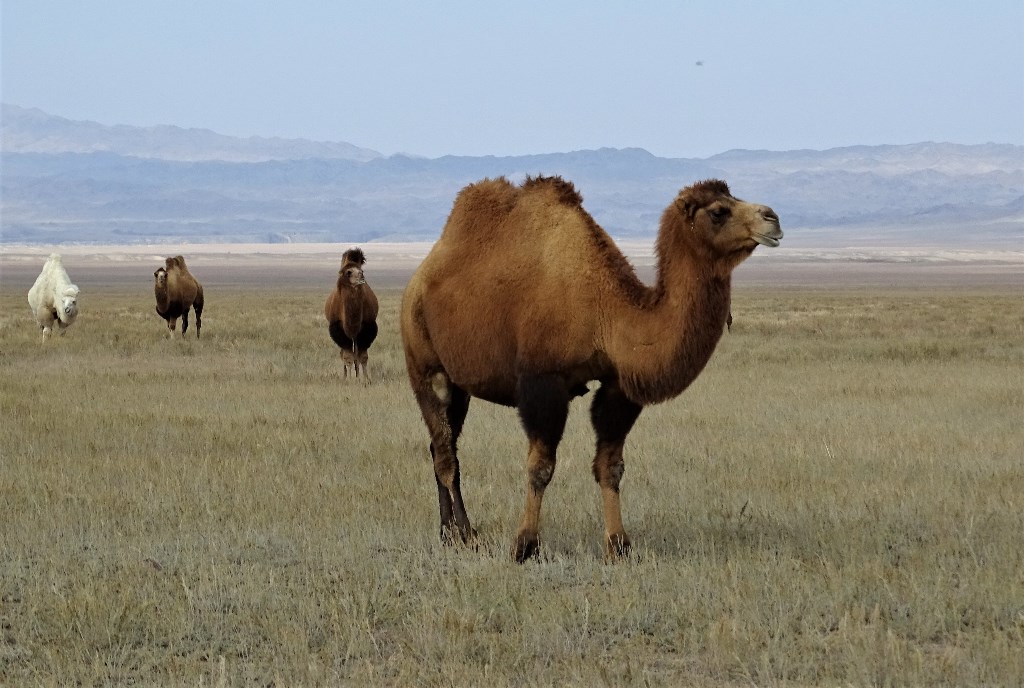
[(352, 319), (660, 349), (162, 300)]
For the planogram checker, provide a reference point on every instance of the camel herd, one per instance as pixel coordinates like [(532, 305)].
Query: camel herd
[(523, 301), (351, 308)]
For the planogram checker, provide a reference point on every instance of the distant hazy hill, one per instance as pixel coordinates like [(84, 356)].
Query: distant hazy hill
[(61, 187), (34, 131)]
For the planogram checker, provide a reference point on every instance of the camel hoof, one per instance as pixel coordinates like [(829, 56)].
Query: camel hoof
[(450, 534), (617, 546), (527, 546)]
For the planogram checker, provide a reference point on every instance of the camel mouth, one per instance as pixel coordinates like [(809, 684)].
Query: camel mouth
[(765, 240)]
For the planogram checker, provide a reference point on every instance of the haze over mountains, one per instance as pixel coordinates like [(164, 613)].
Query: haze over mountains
[(82, 182)]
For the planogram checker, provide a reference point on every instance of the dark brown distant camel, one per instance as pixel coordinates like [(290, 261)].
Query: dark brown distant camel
[(351, 311), (525, 299), (176, 291)]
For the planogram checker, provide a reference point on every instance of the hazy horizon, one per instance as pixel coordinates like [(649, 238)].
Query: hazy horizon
[(531, 78)]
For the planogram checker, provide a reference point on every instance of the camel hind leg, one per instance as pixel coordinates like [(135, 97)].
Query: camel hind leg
[(543, 404), (613, 416), (444, 407)]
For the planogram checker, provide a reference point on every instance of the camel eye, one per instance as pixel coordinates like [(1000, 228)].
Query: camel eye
[(718, 213)]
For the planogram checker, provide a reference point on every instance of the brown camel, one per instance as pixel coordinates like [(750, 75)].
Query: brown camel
[(525, 299), (176, 291), (351, 311)]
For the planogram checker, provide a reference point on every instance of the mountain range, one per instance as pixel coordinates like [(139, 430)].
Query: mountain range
[(66, 181)]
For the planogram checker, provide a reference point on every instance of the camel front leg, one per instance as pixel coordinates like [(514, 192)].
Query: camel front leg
[(540, 467), (608, 470), (45, 321), (613, 416), (543, 403), (347, 363)]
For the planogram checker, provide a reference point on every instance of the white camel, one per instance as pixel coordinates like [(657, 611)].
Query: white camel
[(53, 298)]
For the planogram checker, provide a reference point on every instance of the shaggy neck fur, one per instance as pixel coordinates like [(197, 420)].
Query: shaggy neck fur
[(660, 345), (163, 301), (352, 307)]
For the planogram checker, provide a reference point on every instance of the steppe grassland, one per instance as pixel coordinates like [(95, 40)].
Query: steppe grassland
[(839, 498)]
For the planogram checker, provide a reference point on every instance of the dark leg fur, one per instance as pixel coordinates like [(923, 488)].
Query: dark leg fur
[(543, 404), (366, 335), (338, 335), (613, 416)]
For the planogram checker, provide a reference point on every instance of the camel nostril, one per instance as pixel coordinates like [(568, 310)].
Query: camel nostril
[(770, 214)]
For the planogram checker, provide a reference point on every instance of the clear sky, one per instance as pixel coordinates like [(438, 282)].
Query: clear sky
[(509, 78)]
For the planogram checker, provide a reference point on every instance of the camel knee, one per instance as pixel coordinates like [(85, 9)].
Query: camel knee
[(609, 468), (446, 468), (540, 475)]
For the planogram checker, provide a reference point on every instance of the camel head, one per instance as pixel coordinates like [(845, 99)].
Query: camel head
[(160, 278), (350, 275), (351, 272), (711, 221), (67, 311)]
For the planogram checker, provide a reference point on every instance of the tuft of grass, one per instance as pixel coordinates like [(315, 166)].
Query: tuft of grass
[(836, 500)]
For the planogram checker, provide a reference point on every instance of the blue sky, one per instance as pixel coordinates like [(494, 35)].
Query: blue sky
[(481, 78)]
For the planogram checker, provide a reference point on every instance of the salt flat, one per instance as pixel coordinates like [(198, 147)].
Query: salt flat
[(390, 264)]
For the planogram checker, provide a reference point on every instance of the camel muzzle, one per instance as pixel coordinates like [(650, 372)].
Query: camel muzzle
[(767, 240)]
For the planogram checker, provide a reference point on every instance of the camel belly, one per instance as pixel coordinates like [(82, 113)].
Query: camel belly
[(487, 361)]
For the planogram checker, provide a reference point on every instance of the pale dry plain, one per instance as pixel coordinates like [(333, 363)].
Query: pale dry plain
[(837, 500)]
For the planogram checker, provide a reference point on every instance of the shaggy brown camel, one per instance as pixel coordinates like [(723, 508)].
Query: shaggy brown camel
[(351, 311), (524, 299), (176, 291)]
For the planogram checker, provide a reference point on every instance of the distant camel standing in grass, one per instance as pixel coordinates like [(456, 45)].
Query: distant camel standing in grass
[(524, 299), (53, 298), (351, 311), (176, 291)]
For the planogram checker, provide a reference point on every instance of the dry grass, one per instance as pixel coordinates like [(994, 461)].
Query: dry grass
[(839, 499)]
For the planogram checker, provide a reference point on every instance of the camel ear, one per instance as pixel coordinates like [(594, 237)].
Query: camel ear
[(686, 205)]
